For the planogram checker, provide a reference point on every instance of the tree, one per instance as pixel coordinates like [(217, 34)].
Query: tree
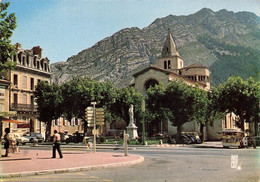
[(125, 97), (240, 97), (49, 101), (180, 100), (7, 25), (155, 104), (204, 109), (175, 102), (78, 94)]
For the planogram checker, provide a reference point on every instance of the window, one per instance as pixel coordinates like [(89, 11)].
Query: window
[(38, 65), (15, 58), (24, 82), (27, 60), (24, 99), (165, 65), (169, 64), (73, 121), (16, 80), (1, 107), (23, 60), (15, 99), (32, 101), (32, 83)]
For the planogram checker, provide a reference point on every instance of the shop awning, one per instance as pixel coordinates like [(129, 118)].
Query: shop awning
[(11, 121)]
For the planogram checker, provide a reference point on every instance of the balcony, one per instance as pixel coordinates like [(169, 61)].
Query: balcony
[(24, 107)]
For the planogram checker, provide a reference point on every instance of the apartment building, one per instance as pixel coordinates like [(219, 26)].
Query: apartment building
[(30, 69)]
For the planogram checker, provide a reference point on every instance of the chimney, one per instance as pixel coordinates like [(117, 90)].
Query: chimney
[(37, 50), (18, 46)]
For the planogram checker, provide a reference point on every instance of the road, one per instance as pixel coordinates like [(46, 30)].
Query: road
[(169, 164)]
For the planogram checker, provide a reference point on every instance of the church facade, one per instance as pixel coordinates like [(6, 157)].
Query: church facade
[(170, 67)]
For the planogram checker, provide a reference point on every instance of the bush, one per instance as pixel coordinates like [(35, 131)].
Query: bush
[(102, 139), (140, 140)]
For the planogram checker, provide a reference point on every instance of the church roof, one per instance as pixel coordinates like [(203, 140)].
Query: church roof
[(166, 72), (151, 67), (194, 65), (169, 48)]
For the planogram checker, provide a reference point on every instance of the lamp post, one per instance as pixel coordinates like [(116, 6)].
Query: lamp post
[(94, 108), (143, 125)]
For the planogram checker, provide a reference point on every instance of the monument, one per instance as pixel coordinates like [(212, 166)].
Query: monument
[(131, 128)]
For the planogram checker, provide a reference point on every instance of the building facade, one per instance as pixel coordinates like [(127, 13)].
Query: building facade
[(170, 67), (31, 68)]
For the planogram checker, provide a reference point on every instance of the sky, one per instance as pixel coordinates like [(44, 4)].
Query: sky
[(63, 28)]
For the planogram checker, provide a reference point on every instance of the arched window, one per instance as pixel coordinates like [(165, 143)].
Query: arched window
[(150, 83), (165, 64), (169, 64)]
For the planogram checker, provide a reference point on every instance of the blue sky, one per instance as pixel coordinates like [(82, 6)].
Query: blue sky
[(65, 27)]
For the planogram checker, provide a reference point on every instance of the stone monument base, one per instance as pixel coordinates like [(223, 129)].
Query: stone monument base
[(132, 131)]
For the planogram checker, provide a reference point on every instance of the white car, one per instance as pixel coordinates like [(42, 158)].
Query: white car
[(21, 139)]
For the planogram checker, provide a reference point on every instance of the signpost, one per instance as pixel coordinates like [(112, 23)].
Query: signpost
[(94, 117)]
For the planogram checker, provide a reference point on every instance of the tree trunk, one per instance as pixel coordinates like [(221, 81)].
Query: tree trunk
[(242, 122), (179, 130), (48, 131), (201, 131)]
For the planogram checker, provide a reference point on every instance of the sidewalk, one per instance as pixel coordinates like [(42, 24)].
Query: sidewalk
[(35, 162)]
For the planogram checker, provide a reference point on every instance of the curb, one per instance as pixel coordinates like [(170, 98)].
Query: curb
[(166, 145), (75, 169)]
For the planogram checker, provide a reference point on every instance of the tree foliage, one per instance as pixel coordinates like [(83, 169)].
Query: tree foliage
[(124, 98), (7, 25), (49, 101), (176, 102), (240, 97)]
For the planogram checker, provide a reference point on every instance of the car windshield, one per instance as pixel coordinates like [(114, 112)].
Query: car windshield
[(38, 135)]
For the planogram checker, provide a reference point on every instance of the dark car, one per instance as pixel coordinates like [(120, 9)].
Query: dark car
[(185, 139), (63, 137), (33, 136), (75, 137)]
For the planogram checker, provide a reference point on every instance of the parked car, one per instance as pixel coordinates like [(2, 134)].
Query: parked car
[(191, 137), (185, 139), (75, 137), (21, 139), (32, 136)]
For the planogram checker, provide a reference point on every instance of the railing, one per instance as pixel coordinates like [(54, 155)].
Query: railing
[(23, 107)]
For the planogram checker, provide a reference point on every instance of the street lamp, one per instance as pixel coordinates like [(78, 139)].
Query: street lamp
[(143, 112)]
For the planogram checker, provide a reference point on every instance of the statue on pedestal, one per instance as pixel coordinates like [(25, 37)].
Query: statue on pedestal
[(132, 128)]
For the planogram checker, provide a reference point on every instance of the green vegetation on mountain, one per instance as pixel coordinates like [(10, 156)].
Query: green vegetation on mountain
[(233, 60)]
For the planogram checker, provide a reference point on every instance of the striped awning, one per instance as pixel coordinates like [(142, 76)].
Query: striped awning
[(11, 121)]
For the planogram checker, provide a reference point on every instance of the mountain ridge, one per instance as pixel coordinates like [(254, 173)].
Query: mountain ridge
[(129, 50)]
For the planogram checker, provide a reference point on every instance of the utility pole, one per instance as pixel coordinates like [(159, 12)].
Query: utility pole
[(143, 124)]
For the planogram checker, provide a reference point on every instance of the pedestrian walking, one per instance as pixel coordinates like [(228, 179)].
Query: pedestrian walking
[(56, 144), (7, 142)]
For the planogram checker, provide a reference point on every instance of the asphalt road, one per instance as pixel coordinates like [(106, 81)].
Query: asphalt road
[(173, 164)]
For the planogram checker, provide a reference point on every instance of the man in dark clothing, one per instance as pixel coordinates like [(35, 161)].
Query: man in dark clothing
[(56, 144)]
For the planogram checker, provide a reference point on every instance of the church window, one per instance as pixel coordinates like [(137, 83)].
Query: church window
[(150, 83), (15, 58), (169, 64), (165, 65)]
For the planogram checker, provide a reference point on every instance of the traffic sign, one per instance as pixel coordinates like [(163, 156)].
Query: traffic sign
[(100, 119), (98, 123)]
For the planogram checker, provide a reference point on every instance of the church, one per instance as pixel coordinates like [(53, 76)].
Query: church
[(170, 67)]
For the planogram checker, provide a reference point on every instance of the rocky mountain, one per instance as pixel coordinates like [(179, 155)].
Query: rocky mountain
[(224, 41)]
